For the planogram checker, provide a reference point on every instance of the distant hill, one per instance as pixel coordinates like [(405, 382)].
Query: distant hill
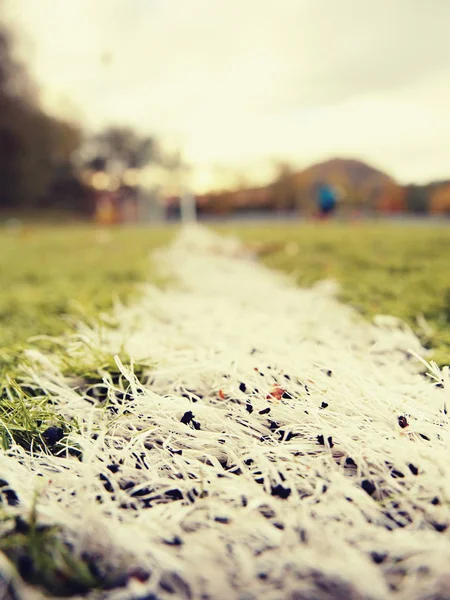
[(361, 187), (359, 182), (356, 172)]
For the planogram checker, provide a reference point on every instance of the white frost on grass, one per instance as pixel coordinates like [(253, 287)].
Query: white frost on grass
[(281, 446)]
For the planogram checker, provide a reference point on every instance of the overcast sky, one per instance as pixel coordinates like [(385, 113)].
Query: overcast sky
[(241, 82)]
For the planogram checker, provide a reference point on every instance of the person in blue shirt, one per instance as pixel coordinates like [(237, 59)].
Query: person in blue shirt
[(326, 200)]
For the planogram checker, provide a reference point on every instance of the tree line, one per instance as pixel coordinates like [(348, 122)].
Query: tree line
[(295, 191), (36, 148), (43, 157)]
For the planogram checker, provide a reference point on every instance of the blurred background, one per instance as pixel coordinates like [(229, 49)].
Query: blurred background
[(137, 111)]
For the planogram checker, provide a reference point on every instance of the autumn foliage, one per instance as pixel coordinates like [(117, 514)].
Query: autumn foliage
[(393, 199), (440, 201)]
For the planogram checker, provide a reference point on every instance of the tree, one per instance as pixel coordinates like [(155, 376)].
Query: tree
[(392, 199), (417, 200), (440, 201), (284, 188), (32, 143), (120, 146)]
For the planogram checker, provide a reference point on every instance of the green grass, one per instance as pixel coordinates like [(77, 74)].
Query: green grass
[(382, 268), (49, 276), (52, 276), (43, 559)]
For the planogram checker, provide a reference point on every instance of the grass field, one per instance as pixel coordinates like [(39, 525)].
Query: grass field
[(50, 276)]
